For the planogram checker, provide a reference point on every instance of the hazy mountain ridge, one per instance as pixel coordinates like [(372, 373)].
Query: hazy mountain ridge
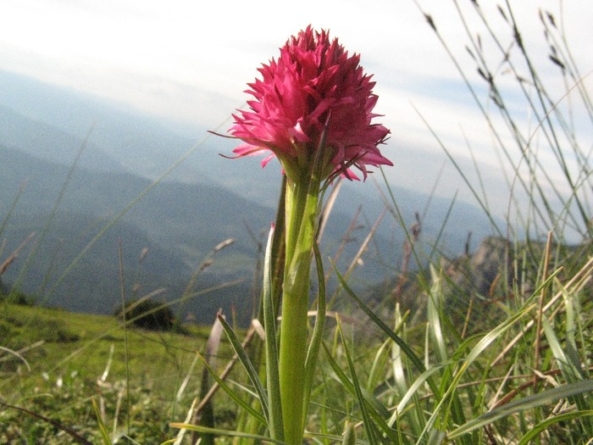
[(147, 146), (140, 144), (204, 201), (178, 223), (50, 143), (92, 283), (170, 213)]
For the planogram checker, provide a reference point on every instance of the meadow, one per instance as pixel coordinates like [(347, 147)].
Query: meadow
[(431, 359)]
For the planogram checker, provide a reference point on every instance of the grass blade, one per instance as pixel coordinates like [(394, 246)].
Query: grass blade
[(245, 405), (101, 424), (271, 345), (416, 361), (205, 430), (530, 402), (317, 337), (553, 420), (246, 362)]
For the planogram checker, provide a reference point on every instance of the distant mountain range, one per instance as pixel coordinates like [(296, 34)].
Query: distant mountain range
[(205, 200), (178, 223)]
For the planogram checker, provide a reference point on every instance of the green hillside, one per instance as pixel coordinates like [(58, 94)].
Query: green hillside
[(64, 362)]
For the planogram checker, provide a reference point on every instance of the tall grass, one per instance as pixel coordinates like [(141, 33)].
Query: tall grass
[(510, 365), (447, 364), (538, 112)]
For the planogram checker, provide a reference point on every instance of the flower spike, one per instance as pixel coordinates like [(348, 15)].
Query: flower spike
[(313, 78)]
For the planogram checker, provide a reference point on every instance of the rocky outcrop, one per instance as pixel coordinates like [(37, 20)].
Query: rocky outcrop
[(477, 286), (481, 272)]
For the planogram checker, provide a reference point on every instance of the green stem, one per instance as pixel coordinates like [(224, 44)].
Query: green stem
[(301, 225)]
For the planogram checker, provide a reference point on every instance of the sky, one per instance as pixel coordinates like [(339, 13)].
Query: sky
[(190, 61)]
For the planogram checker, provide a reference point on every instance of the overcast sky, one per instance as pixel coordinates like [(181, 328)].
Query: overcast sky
[(190, 61)]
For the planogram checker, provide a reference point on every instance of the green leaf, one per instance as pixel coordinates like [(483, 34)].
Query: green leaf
[(416, 361), (412, 392), (369, 425), (435, 303), (188, 417), (530, 402), (251, 371), (556, 418), (569, 371), (376, 410), (349, 434), (272, 371), (102, 427), (202, 429), (317, 337), (236, 397)]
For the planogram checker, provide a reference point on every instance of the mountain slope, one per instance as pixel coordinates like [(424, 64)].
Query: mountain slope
[(205, 200), (178, 223)]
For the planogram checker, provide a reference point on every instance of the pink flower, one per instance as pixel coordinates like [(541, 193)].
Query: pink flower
[(315, 97)]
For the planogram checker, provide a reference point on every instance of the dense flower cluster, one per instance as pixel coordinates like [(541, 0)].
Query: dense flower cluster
[(315, 97)]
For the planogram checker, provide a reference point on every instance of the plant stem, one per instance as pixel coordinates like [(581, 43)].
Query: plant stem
[(301, 223)]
